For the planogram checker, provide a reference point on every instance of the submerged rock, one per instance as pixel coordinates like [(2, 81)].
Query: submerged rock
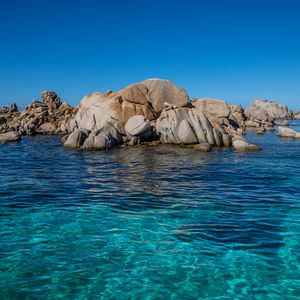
[(11, 136), (288, 132), (281, 123), (204, 147), (242, 145)]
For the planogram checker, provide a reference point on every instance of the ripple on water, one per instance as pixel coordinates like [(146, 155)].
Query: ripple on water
[(149, 223)]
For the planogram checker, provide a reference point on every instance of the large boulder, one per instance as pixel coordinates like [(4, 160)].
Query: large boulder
[(264, 110), (137, 126), (297, 116), (217, 112), (242, 145), (288, 132), (191, 126), (214, 107), (104, 138), (146, 98), (204, 147), (11, 136), (76, 138)]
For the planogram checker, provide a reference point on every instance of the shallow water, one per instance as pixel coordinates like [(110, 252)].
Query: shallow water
[(149, 223)]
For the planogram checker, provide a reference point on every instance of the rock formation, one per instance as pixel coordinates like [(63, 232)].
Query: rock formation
[(263, 111), (152, 110), (11, 136), (145, 98), (297, 115), (49, 116), (288, 133), (242, 145)]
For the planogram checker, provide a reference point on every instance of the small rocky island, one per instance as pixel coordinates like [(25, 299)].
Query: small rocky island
[(151, 112)]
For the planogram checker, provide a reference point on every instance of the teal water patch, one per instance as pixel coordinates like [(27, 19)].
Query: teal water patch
[(149, 223)]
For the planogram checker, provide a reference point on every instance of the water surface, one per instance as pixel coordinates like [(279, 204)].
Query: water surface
[(149, 223)]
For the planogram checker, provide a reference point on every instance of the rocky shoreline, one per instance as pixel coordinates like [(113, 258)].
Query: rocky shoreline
[(151, 112)]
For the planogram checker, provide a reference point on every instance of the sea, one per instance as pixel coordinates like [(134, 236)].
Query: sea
[(160, 222)]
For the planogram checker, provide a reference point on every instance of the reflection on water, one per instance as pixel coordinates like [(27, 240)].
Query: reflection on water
[(149, 223)]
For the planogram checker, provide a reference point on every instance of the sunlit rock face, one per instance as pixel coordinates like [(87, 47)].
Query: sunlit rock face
[(146, 98), (264, 110), (49, 116), (192, 126)]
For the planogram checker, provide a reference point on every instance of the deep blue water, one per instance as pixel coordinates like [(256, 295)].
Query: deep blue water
[(149, 223)]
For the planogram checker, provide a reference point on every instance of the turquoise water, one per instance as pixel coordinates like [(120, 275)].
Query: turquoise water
[(149, 223)]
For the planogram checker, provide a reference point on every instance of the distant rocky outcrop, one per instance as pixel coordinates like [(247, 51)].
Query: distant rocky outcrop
[(261, 115), (267, 111), (49, 116), (297, 115), (6, 109)]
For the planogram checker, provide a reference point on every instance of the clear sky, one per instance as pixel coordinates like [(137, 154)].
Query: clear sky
[(236, 50)]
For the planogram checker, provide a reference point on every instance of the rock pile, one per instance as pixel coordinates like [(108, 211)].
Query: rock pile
[(152, 111), (263, 113), (49, 116)]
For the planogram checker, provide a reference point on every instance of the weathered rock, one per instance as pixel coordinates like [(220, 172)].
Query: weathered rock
[(104, 138), (287, 132), (237, 114), (227, 140), (47, 128), (11, 136), (64, 138), (38, 117), (252, 123), (146, 98), (242, 145), (297, 116), (281, 123), (51, 100), (214, 107), (267, 111), (76, 138), (186, 133), (204, 147), (217, 112), (137, 126), (183, 126), (260, 131), (14, 108)]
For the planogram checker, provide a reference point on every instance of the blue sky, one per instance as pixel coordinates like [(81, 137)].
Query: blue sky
[(227, 49)]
